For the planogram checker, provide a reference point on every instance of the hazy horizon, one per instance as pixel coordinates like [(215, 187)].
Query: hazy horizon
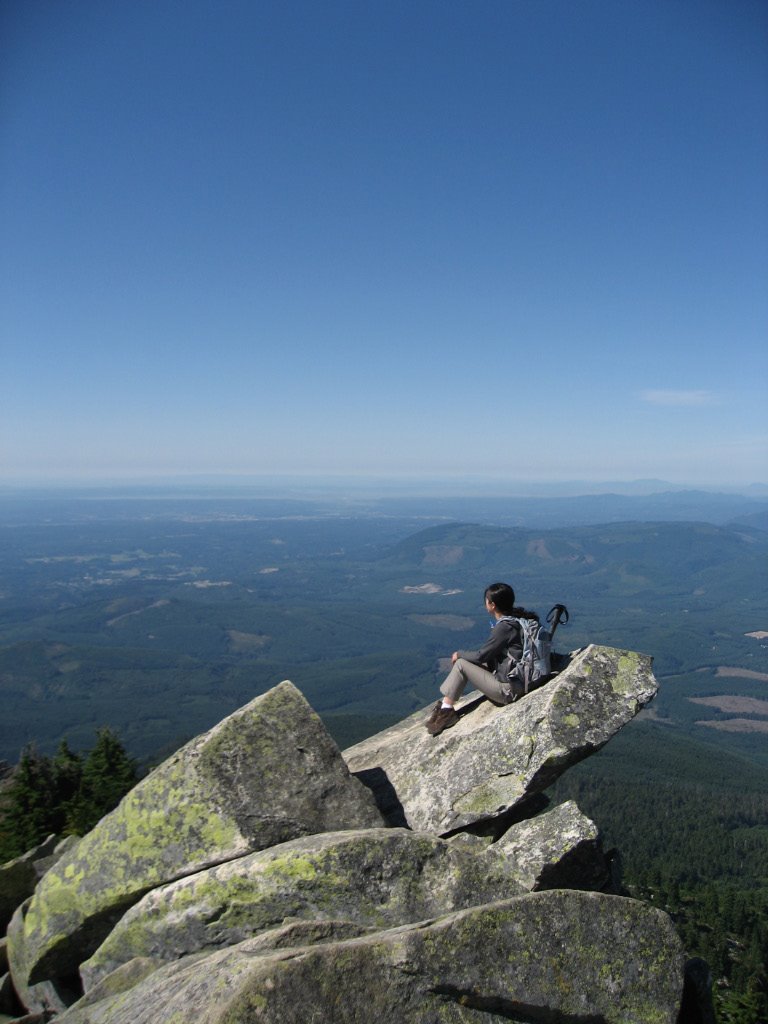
[(316, 485)]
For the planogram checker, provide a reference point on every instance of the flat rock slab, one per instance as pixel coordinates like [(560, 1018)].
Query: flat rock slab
[(375, 878), (268, 773), (494, 758), (556, 955)]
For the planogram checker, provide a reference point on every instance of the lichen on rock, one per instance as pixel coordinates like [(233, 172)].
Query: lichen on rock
[(375, 878), (560, 849), (249, 879), (556, 955), (495, 758), (266, 774)]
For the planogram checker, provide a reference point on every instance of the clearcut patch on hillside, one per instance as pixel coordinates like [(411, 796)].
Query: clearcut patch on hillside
[(443, 554), (427, 588), (741, 673), (732, 704), (738, 725), (244, 642)]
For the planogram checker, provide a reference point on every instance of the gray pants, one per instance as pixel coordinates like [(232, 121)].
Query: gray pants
[(464, 672)]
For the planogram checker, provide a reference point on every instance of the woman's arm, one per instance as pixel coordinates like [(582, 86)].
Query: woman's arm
[(503, 635)]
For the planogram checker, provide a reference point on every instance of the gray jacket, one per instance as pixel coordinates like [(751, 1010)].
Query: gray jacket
[(505, 639)]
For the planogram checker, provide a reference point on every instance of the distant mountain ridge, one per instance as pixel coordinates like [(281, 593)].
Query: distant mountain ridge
[(100, 505), (592, 509)]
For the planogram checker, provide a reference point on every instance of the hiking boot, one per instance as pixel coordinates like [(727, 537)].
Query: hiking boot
[(434, 713), (444, 719)]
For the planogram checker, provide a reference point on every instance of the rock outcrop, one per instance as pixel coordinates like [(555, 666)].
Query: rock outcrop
[(493, 759), (19, 877), (266, 774), (561, 849), (375, 878), (559, 956), (251, 877)]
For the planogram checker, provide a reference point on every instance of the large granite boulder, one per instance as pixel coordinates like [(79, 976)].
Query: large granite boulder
[(375, 878), (268, 773), (19, 877), (555, 955), (561, 849), (495, 758)]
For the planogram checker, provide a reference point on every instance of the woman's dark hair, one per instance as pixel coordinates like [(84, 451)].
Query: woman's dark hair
[(503, 596)]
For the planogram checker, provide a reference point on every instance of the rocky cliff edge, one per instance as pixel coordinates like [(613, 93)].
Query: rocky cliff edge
[(259, 875)]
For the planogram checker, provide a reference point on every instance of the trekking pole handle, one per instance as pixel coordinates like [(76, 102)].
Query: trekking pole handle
[(557, 615)]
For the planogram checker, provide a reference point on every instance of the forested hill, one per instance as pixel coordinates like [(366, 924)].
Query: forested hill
[(635, 555)]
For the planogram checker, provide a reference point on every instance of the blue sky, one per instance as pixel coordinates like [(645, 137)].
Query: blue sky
[(525, 240)]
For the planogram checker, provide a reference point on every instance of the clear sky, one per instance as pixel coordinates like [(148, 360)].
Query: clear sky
[(522, 238)]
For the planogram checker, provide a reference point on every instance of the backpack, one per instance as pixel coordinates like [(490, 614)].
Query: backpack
[(534, 668)]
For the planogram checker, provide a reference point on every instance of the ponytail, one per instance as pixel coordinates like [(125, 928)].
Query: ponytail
[(522, 613)]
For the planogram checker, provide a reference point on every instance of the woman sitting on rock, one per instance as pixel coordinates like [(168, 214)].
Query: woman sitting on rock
[(487, 669)]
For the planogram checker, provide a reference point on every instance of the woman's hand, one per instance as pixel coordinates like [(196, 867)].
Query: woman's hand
[(454, 657)]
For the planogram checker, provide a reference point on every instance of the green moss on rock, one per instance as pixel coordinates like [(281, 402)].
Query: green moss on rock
[(570, 955), (267, 773)]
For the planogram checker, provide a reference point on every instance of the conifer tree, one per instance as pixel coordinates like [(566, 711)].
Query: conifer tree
[(67, 776), (107, 775), (749, 1007), (29, 804), (66, 794)]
